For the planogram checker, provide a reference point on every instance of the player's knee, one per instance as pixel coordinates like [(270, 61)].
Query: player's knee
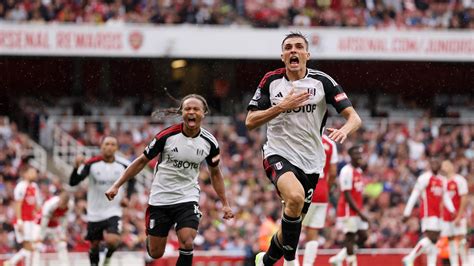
[(28, 245), (155, 253), (187, 243), (113, 242), (294, 201)]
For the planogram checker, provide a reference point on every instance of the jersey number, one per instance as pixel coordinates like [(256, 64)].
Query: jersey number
[(310, 196)]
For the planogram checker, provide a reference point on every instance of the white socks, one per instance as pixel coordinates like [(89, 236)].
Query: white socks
[(62, 253), (432, 255), (423, 245), (310, 253), (22, 253), (339, 257), (351, 260), (453, 253)]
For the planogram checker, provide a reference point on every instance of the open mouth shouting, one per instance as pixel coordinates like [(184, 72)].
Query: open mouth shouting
[(294, 61), (192, 121)]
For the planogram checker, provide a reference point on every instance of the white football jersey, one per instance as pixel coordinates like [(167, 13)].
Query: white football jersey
[(296, 134), (102, 176), (177, 170)]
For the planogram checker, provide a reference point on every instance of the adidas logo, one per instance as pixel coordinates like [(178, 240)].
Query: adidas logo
[(288, 248), (175, 149), (279, 95)]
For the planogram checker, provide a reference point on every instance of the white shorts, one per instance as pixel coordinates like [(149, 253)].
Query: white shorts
[(52, 233), (351, 224), (29, 232), (449, 229), (432, 223), (316, 215)]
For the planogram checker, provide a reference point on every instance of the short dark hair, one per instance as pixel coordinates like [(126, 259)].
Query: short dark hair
[(295, 34), (102, 139), (24, 168), (354, 149)]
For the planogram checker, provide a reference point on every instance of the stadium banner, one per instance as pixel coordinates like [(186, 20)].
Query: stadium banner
[(190, 41)]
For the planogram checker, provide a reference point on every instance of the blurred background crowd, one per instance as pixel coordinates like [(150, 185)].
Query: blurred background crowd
[(399, 14), (394, 152)]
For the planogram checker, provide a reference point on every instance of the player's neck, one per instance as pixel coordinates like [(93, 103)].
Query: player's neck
[(109, 159), (296, 75), (191, 132)]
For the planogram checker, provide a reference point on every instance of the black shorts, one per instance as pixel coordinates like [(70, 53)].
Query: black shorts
[(160, 219), (95, 230), (275, 166)]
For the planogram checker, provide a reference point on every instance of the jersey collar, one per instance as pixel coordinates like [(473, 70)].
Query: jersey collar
[(305, 76)]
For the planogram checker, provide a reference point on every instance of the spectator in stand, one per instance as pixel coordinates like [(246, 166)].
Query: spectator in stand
[(390, 170), (385, 14)]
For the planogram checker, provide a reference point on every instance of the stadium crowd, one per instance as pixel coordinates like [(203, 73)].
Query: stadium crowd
[(394, 154), (258, 13)]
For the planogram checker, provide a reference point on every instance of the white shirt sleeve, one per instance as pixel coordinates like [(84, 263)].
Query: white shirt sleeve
[(334, 155), (46, 213), (462, 185), (39, 199), (448, 203), (420, 186), (345, 178), (20, 190)]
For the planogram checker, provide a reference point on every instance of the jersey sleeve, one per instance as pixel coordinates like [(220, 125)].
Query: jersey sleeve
[(462, 186), (261, 98), (79, 174), (39, 198), (155, 146), (49, 207), (345, 179), (334, 155), (422, 182), (213, 158), (19, 191), (335, 95)]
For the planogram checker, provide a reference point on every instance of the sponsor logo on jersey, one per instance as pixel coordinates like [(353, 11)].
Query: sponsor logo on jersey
[(181, 164), (309, 108), (339, 97), (436, 190)]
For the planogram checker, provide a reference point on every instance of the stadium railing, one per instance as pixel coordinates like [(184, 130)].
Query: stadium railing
[(66, 149)]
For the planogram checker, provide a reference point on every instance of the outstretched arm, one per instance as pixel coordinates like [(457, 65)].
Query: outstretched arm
[(132, 170), (353, 122), (218, 184)]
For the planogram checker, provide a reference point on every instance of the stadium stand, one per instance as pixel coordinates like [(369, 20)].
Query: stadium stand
[(270, 14), (395, 153)]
